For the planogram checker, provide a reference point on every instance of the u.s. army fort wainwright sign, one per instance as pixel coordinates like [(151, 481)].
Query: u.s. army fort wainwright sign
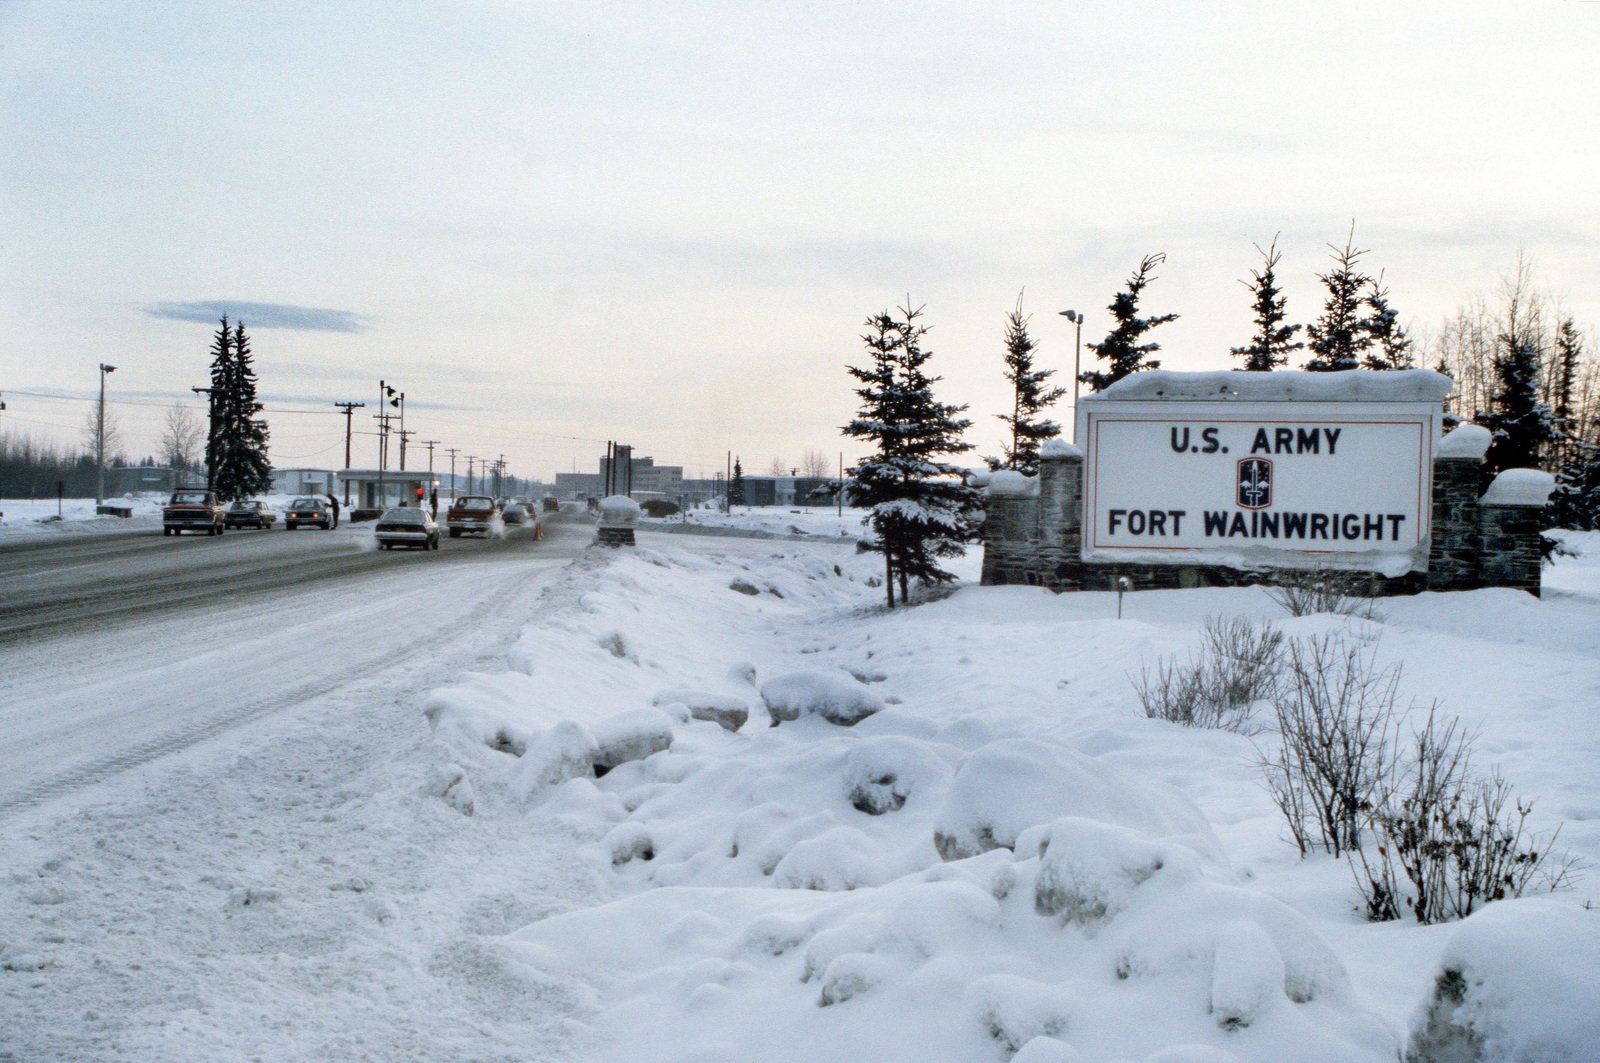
[(1203, 465), (1189, 478)]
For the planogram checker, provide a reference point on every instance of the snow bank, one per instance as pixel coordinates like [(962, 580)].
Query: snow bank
[(1348, 385)]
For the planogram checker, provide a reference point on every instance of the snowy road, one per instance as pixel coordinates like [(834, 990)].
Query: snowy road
[(122, 648)]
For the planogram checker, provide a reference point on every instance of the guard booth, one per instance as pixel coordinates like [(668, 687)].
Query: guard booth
[(368, 492)]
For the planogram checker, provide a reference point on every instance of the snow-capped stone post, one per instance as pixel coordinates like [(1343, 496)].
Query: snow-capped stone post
[(1508, 528), (1453, 561), (618, 515)]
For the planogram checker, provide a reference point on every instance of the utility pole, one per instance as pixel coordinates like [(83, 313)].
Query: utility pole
[(100, 439), (453, 451), (349, 409), (404, 433), (471, 489)]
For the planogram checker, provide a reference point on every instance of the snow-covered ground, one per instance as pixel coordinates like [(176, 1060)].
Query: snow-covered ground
[(77, 516), (1006, 860)]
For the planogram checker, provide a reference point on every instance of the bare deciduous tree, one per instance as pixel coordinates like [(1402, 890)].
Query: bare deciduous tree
[(181, 436), (816, 465)]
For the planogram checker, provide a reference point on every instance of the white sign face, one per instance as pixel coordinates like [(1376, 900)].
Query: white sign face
[(1175, 477)]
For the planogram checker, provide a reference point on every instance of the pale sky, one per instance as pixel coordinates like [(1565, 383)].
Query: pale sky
[(555, 224)]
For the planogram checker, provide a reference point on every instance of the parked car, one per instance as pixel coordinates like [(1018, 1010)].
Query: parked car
[(404, 526), (479, 514), (250, 513), (192, 509), (307, 511)]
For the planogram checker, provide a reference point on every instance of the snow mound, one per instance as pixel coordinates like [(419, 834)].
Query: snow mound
[(1466, 441), (619, 509), (1518, 982), (565, 751), (1347, 385), (1520, 487), (630, 736), (1008, 786), (1008, 483), (724, 710), (836, 698), (1059, 448)]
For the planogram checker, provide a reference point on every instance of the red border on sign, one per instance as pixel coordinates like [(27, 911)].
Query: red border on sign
[(1424, 468)]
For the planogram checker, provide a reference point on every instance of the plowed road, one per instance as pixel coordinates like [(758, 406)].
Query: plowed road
[(119, 648)]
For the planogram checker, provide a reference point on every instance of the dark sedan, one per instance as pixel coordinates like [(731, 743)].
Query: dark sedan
[(250, 513), (404, 526)]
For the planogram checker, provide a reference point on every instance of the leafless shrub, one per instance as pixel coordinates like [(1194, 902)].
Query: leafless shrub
[(1237, 667), (1446, 840), (1324, 590), (1335, 713)]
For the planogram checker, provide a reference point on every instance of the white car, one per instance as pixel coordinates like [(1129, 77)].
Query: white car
[(405, 526)]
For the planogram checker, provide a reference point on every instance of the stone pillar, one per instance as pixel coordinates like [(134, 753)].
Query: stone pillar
[(1061, 517), (1453, 549), (1509, 526)]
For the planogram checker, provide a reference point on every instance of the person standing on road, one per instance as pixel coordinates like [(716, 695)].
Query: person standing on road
[(433, 501), (333, 507)]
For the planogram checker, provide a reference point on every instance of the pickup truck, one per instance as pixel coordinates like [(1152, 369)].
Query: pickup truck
[(473, 513), (193, 509)]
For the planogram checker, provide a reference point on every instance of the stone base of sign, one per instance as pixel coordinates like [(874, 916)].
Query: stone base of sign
[(1035, 539), (615, 536)]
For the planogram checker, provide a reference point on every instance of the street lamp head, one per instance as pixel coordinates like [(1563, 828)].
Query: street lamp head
[(104, 368), (1070, 315)]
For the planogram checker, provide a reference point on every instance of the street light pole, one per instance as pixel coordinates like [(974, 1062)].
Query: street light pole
[(100, 439), (1077, 346)]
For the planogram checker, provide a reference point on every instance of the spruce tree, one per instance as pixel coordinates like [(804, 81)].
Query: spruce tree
[(221, 385), (1030, 397), (1340, 337), (1121, 349), (1522, 423), (736, 486), (1569, 360), (1269, 347), (250, 471), (1391, 346), (921, 509)]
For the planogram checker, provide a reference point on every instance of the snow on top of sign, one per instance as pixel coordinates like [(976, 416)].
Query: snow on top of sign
[(1466, 441), (1350, 385), (1059, 448), (1520, 487)]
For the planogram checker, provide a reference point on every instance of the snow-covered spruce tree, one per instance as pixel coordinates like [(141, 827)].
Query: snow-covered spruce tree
[(216, 407), (920, 508), (1272, 341), (1391, 346), (1121, 349), (1522, 422), (1030, 397), (736, 485), (1340, 337)]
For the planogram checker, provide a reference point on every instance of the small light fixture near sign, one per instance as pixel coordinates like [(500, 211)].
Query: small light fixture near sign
[(1124, 585)]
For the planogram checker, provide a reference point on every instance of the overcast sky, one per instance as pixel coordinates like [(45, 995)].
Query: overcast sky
[(554, 224)]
